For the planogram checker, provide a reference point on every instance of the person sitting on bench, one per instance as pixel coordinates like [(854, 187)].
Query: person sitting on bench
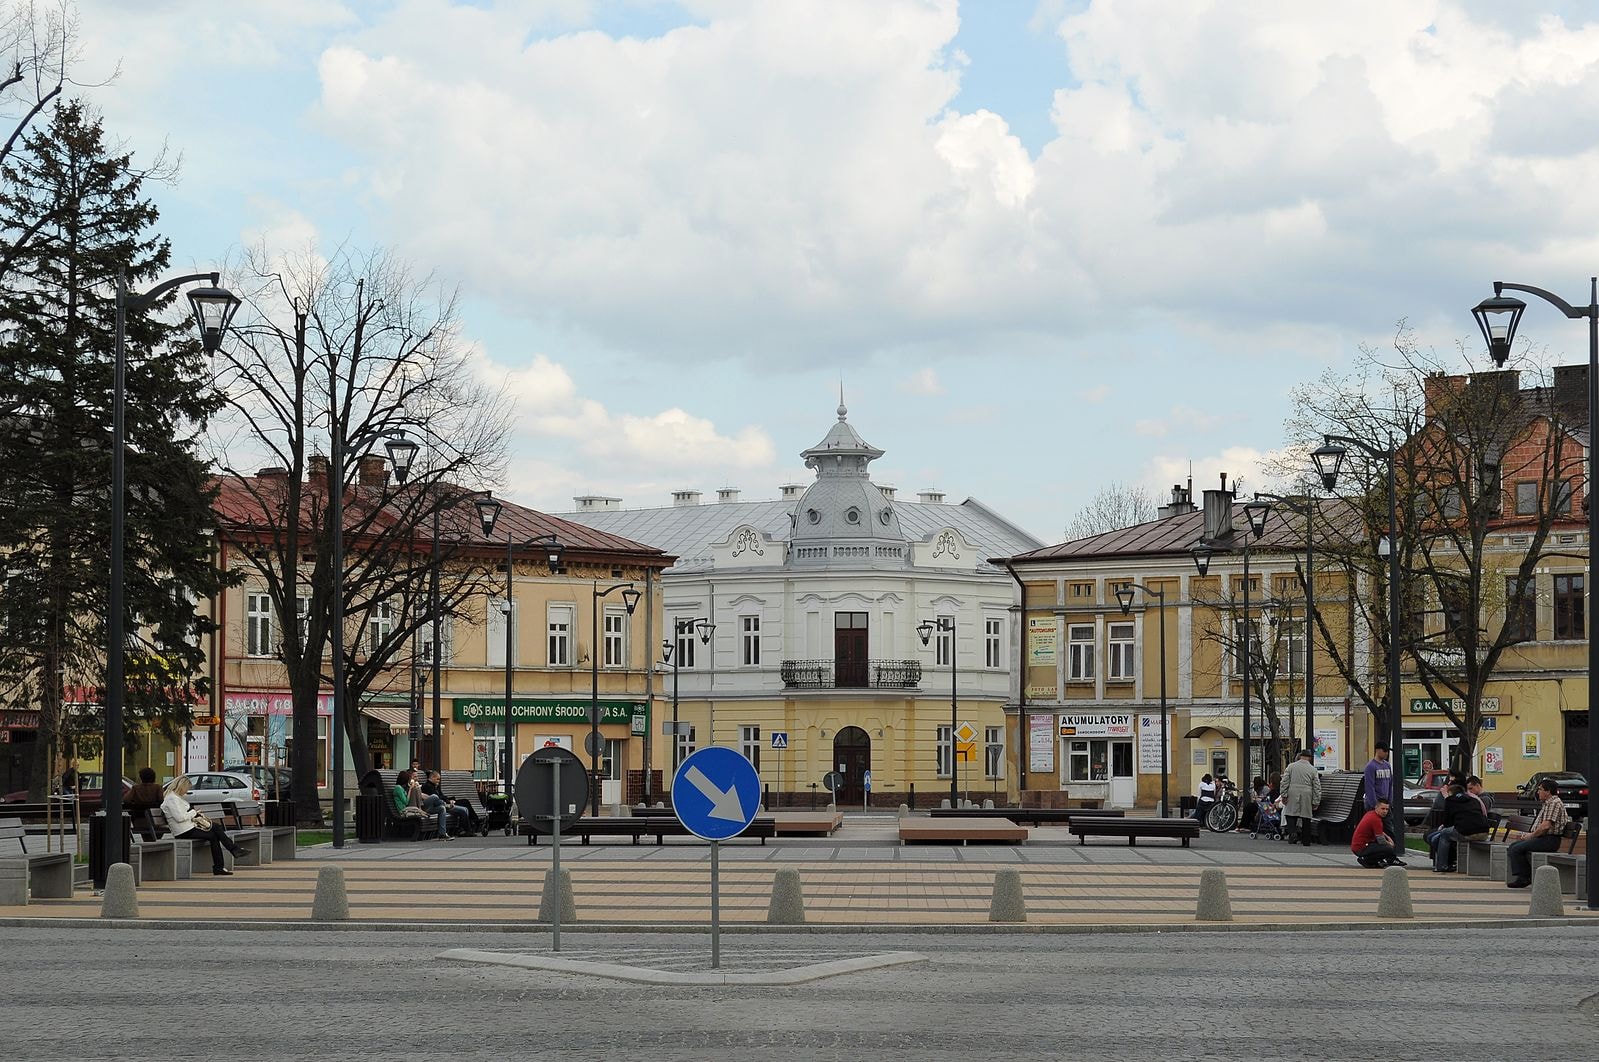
[(1545, 836), (461, 818), (407, 798), (189, 825), (144, 796), (1463, 818), (1373, 847)]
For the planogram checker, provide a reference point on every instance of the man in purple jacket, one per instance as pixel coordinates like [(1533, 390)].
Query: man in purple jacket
[(1379, 777)]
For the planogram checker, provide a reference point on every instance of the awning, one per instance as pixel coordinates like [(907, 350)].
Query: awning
[(397, 719), (1225, 732)]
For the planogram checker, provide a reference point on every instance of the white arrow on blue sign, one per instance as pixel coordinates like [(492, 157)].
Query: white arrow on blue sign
[(716, 793), (780, 739)]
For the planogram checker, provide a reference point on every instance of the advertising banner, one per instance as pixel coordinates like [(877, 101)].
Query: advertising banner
[(1043, 640), (1041, 742), (1327, 752), (1149, 744)]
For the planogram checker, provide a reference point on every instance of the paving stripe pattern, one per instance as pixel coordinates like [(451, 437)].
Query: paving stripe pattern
[(477, 890)]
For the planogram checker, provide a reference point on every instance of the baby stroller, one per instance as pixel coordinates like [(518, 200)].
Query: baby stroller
[(1268, 820)]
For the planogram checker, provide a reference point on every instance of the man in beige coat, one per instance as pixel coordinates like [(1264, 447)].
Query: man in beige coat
[(1301, 793)]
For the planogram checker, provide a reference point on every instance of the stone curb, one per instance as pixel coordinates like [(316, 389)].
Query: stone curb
[(813, 928), (640, 975)]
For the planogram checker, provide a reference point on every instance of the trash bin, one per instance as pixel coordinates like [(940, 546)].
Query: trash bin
[(99, 868), (279, 812), (369, 818)]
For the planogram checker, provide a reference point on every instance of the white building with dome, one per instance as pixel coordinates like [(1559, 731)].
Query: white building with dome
[(812, 601)]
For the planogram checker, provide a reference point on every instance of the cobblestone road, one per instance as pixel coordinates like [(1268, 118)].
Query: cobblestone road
[(1463, 995)]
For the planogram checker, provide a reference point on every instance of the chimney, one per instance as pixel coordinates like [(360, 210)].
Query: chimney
[(373, 471), (317, 469), (792, 490), (933, 496), (593, 503), (1219, 513), (888, 492), (681, 498), (272, 472), (727, 495), (1571, 388), (1182, 502)]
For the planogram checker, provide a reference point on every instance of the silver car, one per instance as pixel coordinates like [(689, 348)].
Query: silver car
[(211, 787)]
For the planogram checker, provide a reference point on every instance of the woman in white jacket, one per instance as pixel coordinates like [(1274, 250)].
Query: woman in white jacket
[(180, 818)]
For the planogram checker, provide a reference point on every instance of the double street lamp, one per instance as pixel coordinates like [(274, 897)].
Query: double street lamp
[(1124, 595), (630, 599), (213, 308), (925, 629), (672, 650), (1255, 513), (1329, 459), (1498, 318), (1305, 508), (488, 512)]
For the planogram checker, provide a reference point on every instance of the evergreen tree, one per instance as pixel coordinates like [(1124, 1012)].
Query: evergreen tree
[(58, 343)]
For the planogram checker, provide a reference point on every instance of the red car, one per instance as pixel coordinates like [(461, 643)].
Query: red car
[(89, 783)]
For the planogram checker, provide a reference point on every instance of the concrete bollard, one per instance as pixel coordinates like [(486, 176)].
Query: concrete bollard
[(787, 907), (1215, 905), (121, 899), (1008, 903), (904, 809), (944, 804), (1545, 901), (332, 900), (553, 890), (1394, 900), (988, 805)]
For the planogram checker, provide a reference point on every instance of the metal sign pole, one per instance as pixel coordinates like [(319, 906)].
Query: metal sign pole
[(555, 840), (716, 905)]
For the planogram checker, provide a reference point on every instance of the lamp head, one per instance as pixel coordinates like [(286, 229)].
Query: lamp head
[(488, 511), (1124, 594), (213, 309), (1201, 554), (1498, 318), (666, 649), (925, 630), (1329, 461), (630, 598), (1256, 512), (552, 555), (707, 628), (402, 452)]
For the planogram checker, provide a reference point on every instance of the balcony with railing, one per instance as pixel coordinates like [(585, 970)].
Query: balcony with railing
[(852, 674)]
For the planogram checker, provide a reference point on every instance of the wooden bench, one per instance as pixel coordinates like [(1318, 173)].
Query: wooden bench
[(962, 830), (819, 823), (250, 814), (657, 826), (1030, 816), (42, 875), (1184, 830)]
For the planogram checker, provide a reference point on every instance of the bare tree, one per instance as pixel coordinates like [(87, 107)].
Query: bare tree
[(1466, 561), (1117, 505), (37, 47), (353, 349)]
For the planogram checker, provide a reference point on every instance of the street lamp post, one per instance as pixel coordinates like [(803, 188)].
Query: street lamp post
[(925, 629), (1329, 460), (213, 308), (488, 511), (630, 598), (682, 628), (1255, 513), (1498, 317), (1305, 507), (1124, 595)]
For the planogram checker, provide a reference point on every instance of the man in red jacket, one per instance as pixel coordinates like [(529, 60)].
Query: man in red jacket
[(1372, 846)]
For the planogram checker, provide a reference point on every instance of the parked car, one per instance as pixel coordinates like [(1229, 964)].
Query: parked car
[(273, 781), (215, 786), (89, 785), (1418, 804), (1572, 788)]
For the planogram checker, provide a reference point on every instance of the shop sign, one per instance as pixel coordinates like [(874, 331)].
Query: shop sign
[(1425, 706), (20, 720), (1097, 725), (1043, 640), (548, 710), (270, 704), (1043, 693), (1041, 742)]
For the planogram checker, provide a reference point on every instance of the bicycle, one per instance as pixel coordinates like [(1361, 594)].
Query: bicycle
[(1223, 815)]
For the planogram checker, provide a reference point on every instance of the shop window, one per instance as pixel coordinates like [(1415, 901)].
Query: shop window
[(1087, 761), (486, 741), (611, 760)]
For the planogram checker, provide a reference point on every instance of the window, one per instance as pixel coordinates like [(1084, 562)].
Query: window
[(1526, 499), (258, 625), (1080, 652), (500, 619), (1235, 650), (560, 635), (993, 643), (684, 653), (611, 760), (749, 743), (1086, 760), (683, 746), (446, 640), (946, 751), (615, 637), (1293, 635), (1569, 617), (1521, 608), (944, 643), (379, 627), (486, 741), (1082, 591), (1453, 600), (750, 642), (993, 752), (1449, 503), (1119, 638), (1563, 492)]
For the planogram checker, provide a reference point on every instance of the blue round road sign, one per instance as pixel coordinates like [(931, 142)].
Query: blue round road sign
[(716, 793)]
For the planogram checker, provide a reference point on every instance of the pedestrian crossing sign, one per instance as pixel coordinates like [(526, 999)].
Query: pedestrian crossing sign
[(780, 739)]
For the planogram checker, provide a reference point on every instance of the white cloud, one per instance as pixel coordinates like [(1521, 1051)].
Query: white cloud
[(1095, 395), (1183, 420), (922, 382)]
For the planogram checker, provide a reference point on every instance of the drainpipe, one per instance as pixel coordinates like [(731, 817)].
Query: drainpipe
[(1023, 731)]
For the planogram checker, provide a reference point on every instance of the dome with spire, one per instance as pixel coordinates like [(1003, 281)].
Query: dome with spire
[(844, 518)]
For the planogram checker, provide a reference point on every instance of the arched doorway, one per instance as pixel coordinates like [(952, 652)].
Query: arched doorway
[(852, 758)]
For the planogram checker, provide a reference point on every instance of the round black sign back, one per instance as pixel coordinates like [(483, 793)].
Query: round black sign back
[(832, 780), (536, 796)]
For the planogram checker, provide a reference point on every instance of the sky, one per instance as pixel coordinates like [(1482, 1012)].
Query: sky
[(1041, 246)]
